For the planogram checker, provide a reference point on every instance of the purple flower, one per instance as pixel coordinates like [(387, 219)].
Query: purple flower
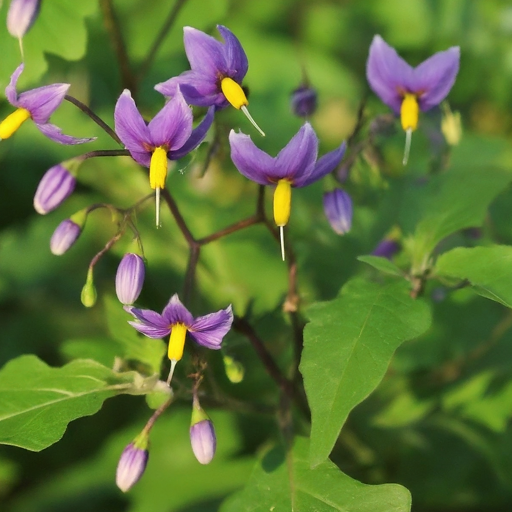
[(38, 104), (168, 135), (408, 90), (132, 463), (21, 16), (130, 278), (55, 186), (203, 440), (296, 165), (338, 210), (176, 320), (67, 232), (217, 72), (303, 101)]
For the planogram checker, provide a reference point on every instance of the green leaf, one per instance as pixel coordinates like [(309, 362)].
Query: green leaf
[(59, 29), (293, 485), (382, 264), (39, 401), (488, 269), (456, 200), (134, 346), (347, 348)]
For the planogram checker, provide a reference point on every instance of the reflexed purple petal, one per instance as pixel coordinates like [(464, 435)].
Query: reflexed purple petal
[(303, 101), (203, 441), (129, 125), (298, 157), (235, 57), (209, 330), (43, 101), (388, 74), (252, 162), (55, 133), (172, 126), (176, 313), (131, 467), (436, 76), (10, 90), (338, 210), (151, 323), (325, 165), (64, 236), (21, 16), (130, 278), (55, 186), (198, 135), (205, 53)]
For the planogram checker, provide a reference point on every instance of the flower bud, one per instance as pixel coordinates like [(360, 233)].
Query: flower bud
[(132, 462), (21, 16), (234, 369), (386, 248), (303, 101), (67, 232), (129, 278), (55, 186), (89, 295), (202, 435), (338, 210)]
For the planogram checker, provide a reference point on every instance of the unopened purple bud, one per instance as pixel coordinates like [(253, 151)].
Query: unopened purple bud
[(338, 210), (203, 440), (21, 16), (131, 466), (303, 101), (386, 248), (55, 186), (130, 278), (64, 236)]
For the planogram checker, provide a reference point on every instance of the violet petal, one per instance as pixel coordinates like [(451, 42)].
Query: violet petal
[(209, 330), (176, 313), (204, 52), (129, 125), (43, 101), (55, 133), (324, 166), (10, 90), (235, 57)]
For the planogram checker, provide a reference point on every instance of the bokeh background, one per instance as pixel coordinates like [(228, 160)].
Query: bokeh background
[(440, 422)]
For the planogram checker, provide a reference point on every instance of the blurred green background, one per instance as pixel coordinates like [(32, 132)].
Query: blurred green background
[(440, 422)]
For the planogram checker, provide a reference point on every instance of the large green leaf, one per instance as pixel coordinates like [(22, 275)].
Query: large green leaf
[(456, 200), (59, 29), (37, 401), (347, 348), (292, 485), (488, 269)]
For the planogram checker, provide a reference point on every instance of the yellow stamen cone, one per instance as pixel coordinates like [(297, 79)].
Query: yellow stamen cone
[(12, 122), (177, 342), (236, 96), (282, 205), (409, 113), (157, 176)]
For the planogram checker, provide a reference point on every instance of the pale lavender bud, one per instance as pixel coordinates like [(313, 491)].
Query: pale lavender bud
[(55, 186), (386, 248), (129, 278), (21, 16), (131, 466), (67, 232), (203, 440), (338, 210), (303, 101)]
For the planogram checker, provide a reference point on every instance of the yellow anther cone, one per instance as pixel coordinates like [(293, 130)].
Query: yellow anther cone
[(409, 114), (157, 176), (12, 122), (177, 342)]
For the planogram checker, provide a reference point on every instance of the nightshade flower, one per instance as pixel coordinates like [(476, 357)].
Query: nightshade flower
[(296, 165), (338, 210), (168, 135), (21, 16), (217, 72), (38, 104), (133, 462), (408, 90), (130, 278), (303, 101), (176, 320)]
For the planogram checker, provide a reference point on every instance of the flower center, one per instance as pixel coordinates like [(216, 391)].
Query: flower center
[(282, 202), (409, 112), (233, 92), (12, 122), (177, 342), (158, 168)]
